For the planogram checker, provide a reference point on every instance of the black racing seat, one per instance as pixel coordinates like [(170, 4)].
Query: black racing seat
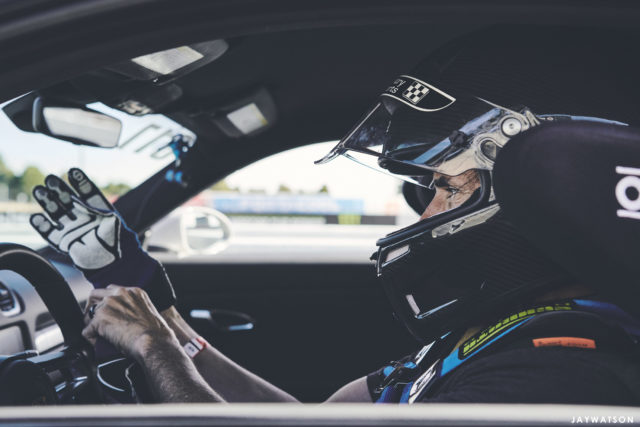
[(573, 189)]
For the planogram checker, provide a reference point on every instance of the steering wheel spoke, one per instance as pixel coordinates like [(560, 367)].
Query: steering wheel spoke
[(73, 373)]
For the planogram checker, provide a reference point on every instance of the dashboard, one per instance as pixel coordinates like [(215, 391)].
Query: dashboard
[(25, 322)]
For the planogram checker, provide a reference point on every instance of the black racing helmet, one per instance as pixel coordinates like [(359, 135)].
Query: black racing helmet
[(454, 113)]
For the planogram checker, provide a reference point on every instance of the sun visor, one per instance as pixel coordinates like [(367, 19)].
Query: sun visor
[(573, 189), (248, 116), (164, 66)]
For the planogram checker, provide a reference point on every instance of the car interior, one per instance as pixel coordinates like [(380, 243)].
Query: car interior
[(246, 80), (293, 305)]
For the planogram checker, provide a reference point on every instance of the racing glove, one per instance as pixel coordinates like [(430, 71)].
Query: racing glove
[(85, 226)]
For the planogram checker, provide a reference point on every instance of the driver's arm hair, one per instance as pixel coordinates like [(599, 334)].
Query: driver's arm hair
[(172, 377), (228, 379)]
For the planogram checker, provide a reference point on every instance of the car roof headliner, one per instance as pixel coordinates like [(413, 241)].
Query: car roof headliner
[(323, 62), (321, 79)]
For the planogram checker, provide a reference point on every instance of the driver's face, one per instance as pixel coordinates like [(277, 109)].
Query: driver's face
[(451, 192)]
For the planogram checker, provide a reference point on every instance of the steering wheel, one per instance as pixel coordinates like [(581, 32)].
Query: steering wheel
[(25, 378)]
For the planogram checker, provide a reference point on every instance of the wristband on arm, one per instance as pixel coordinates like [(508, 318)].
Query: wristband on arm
[(195, 346)]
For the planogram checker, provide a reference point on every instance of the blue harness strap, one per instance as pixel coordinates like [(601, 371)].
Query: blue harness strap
[(408, 381)]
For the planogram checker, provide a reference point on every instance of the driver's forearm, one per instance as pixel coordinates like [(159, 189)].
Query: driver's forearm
[(171, 375), (227, 378)]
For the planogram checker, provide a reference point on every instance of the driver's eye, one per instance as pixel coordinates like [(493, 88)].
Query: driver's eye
[(452, 191), (445, 186)]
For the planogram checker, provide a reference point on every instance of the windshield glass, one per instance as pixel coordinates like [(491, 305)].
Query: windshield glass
[(26, 158)]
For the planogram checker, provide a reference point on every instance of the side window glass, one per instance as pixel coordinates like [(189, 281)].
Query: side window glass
[(285, 208)]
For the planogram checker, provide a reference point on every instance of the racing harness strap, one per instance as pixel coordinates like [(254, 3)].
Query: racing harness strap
[(577, 323)]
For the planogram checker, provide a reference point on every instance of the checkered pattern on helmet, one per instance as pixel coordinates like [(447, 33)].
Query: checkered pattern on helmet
[(415, 92)]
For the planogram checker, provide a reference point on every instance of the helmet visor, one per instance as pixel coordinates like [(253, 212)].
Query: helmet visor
[(416, 129)]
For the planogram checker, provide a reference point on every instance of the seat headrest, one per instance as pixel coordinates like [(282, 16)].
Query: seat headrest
[(573, 189)]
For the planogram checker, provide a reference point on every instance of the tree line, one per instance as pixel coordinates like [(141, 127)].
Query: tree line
[(222, 185), (19, 186)]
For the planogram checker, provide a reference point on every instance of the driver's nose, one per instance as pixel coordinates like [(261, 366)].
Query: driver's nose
[(437, 205)]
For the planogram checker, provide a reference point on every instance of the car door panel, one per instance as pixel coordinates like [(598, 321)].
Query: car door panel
[(316, 327)]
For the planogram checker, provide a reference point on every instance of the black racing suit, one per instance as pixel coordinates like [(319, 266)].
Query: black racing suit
[(572, 352)]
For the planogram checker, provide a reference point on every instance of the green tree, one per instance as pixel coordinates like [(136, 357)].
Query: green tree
[(115, 189), (31, 177), (5, 173), (15, 187), (323, 190), (222, 185), (284, 189)]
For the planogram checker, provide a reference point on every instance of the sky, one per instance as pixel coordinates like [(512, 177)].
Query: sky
[(295, 169)]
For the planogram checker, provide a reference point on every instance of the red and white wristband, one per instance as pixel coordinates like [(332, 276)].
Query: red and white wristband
[(194, 346)]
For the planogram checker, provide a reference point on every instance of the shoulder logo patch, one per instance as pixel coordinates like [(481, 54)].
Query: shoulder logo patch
[(628, 192)]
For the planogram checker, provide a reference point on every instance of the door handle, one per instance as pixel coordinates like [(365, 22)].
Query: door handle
[(224, 320)]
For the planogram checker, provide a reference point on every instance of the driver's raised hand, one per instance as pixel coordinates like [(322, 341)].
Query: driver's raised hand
[(126, 318), (82, 223)]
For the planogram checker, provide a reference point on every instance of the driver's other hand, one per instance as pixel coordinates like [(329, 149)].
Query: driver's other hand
[(126, 318)]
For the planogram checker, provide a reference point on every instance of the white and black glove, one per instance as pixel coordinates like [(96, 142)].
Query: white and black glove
[(84, 225)]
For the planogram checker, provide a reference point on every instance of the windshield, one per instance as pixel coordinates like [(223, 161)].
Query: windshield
[(26, 158)]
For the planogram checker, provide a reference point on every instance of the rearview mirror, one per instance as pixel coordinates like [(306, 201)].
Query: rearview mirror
[(77, 124)]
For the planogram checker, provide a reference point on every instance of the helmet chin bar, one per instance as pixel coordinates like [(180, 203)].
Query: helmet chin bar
[(467, 221), (440, 284), (448, 271)]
